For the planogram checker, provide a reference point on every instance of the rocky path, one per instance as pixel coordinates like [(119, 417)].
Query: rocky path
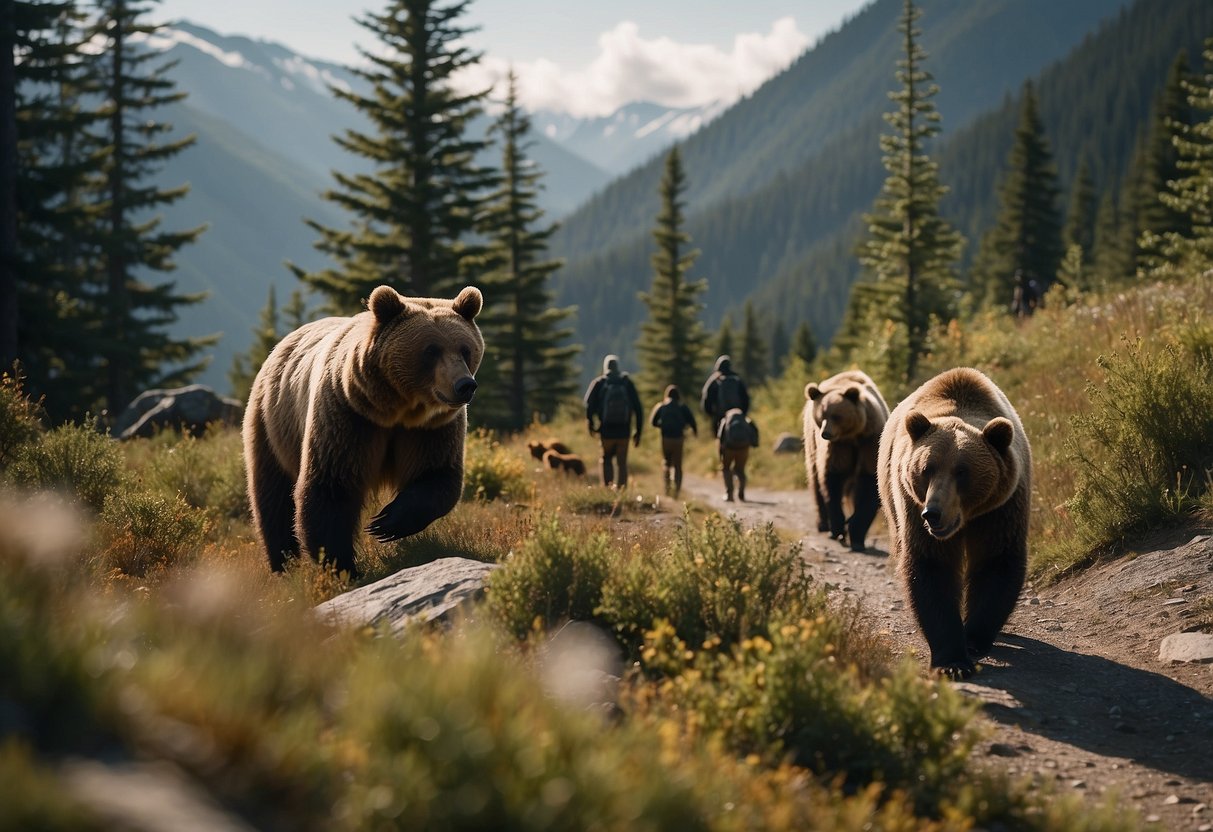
[(1075, 694)]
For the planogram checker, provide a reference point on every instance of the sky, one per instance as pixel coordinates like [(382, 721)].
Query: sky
[(584, 58)]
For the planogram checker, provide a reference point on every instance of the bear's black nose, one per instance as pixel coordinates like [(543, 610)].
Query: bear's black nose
[(465, 388), (932, 515)]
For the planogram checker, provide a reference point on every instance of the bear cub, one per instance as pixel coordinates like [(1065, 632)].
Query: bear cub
[(955, 480), (345, 407), (843, 418)]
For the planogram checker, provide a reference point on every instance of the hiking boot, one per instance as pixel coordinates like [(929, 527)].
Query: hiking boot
[(728, 498), (741, 494)]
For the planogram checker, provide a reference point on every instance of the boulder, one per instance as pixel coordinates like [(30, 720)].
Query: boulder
[(1186, 647), (189, 408), (429, 592), (788, 443)]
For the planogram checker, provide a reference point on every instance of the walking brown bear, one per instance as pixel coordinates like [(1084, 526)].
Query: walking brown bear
[(955, 479)]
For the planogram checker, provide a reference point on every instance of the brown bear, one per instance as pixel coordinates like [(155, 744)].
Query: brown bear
[(843, 418), (955, 479), (569, 463), (538, 449), (343, 407)]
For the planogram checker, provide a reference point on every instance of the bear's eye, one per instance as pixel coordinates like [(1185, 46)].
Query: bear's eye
[(467, 355), (962, 475), (928, 472), (432, 351)]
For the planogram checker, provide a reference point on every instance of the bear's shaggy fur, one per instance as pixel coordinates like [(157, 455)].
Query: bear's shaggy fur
[(344, 407), (539, 448), (843, 418), (569, 463), (955, 479)]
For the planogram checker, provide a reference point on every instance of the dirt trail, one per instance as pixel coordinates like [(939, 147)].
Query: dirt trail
[(1074, 694)]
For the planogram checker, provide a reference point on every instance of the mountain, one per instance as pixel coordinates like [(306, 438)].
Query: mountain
[(773, 178), (264, 117), (627, 137)]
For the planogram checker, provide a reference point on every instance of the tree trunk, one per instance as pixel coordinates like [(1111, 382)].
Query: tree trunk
[(9, 316)]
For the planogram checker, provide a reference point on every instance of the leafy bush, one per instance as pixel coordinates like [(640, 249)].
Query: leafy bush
[(72, 459), (716, 580), (553, 577), (142, 531), (208, 473), (1145, 449), (19, 419), (491, 471)]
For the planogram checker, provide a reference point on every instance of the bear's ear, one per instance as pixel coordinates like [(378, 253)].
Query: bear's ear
[(999, 432), (852, 394), (812, 392), (917, 425), (386, 303), (467, 304)]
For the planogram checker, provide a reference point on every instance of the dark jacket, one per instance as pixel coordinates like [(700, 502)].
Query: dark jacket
[(673, 430), (593, 408), (708, 399), (724, 422)]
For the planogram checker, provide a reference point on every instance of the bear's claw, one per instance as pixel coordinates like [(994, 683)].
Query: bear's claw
[(955, 671)]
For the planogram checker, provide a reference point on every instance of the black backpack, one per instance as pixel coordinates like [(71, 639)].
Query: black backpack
[(616, 409), (737, 433), (673, 423), (728, 393)]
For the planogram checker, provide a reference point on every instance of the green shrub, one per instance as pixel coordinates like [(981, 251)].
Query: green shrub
[(553, 577), (72, 459), (490, 471), (716, 580), (19, 419), (1145, 448), (142, 531), (208, 473)]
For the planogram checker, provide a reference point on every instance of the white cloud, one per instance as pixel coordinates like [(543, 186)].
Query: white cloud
[(630, 68)]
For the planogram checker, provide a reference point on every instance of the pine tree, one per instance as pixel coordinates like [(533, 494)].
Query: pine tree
[(415, 211), (529, 360), (62, 318), (1080, 218), (136, 351), (910, 250), (672, 341), (1190, 195), (265, 336), (295, 314), (1108, 263), (9, 309), (1025, 244), (724, 337), (1172, 115), (754, 357), (804, 345), (780, 346)]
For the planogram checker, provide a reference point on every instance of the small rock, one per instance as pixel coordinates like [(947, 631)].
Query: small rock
[(1170, 602), (1152, 818), (1186, 647), (1000, 749), (1205, 827), (1171, 800), (1034, 602), (788, 443), (1199, 807), (1078, 784)]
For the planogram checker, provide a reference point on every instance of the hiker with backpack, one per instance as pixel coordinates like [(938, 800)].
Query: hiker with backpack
[(737, 434), (612, 400), (723, 391), (672, 417)]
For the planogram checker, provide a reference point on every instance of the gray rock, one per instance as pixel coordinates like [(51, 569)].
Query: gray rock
[(189, 408), (429, 592), (1186, 647), (788, 443)]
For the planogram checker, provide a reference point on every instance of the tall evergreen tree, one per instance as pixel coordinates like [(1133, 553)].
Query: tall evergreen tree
[(1025, 244), (1190, 194), (780, 345), (529, 358), (9, 314), (753, 356), (910, 250), (136, 350), (1108, 263), (265, 336), (724, 344), (414, 212), (672, 341), (1080, 218), (1171, 116), (804, 345)]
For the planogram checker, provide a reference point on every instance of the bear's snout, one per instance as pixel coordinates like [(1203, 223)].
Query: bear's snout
[(465, 389), (933, 516)]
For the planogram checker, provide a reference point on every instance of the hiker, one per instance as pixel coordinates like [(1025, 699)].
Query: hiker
[(737, 434), (723, 391), (673, 417), (613, 400)]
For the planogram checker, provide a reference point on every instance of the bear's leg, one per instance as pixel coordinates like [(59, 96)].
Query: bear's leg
[(823, 510), (836, 485), (421, 502), (867, 501), (998, 563), (271, 495), (328, 518), (931, 571)]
